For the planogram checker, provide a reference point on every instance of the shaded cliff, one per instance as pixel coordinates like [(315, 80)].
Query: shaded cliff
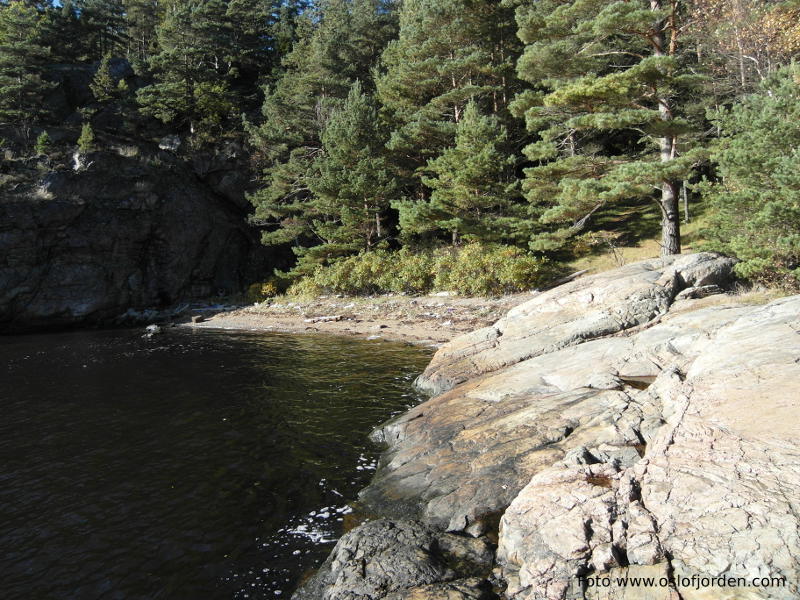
[(131, 227), (622, 424)]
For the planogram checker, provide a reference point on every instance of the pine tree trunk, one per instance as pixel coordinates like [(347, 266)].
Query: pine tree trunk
[(670, 217), (685, 198)]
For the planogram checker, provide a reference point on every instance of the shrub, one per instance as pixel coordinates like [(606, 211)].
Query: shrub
[(474, 269), (304, 288), (42, 144), (360, 274), (86, 139), (477, 270), (258, 292), (409, 272)]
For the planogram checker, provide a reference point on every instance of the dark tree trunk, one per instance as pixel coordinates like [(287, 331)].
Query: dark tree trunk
[(670, 219)]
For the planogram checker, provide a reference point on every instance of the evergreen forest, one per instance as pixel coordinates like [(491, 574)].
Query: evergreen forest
[(393, 142)]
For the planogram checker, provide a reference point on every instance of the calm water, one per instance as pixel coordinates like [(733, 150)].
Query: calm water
[(189, 465)]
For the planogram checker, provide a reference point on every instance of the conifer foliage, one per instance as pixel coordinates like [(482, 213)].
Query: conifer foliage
[(436, 127), (474, 194), (103, 85), (757, 199), (448, 52), (23, 56), (607, 108), (352, 186), (329, 57), (192, 70)]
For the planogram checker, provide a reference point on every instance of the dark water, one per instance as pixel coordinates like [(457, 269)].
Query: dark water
[(189, 465)]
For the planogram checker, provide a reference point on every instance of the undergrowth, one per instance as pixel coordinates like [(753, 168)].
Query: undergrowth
[(471, 270)]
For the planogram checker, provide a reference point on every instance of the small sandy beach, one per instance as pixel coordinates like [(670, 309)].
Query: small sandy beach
[(428, 320)]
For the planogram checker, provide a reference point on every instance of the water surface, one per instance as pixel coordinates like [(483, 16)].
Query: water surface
[(194, 464)]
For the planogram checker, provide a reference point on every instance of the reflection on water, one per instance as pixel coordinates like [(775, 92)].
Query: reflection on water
[(189, 465)]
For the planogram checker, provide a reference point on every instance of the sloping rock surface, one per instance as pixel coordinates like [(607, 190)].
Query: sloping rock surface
[(604, 430)]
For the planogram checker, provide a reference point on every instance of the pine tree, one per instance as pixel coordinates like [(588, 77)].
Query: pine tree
[(474, 193), (86, 139), (287, 142), (142, 19), (42, 144), (65, 34), (448, 52), (756, 202), (193, 67), (284, 23), (608, 110), (103, 26), (253, 49), (352, 186), (103, 86), (22, 59), (341, 42)]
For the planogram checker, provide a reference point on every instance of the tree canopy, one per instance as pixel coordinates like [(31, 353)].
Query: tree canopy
[(428, 125)]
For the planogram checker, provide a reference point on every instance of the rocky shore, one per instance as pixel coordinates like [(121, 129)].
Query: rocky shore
[(633, 423)]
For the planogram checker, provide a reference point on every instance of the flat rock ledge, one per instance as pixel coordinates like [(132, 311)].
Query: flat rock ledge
[(623, 425)]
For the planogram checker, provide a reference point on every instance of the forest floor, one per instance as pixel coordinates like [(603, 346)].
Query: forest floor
[(427, 320)]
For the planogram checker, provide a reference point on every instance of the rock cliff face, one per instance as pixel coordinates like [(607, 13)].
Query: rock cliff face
[(85, 245), (610, 427)]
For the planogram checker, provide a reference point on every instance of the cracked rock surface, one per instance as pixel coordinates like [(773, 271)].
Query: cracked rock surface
[(606, 428)]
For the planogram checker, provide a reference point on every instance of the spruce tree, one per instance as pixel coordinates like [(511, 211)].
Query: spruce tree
[(609, 86), (474, 193), (22, 59)]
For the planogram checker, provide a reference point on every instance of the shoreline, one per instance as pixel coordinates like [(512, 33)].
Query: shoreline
[(625, 400), (421, 320)]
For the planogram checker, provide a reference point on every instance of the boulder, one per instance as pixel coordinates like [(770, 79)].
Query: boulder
[(504, 425), (394, 560), (715, 493), (170, 143)]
